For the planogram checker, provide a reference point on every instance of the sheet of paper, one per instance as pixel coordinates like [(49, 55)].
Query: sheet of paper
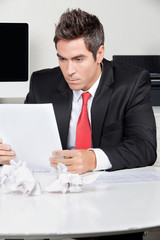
[(32, 132), (127, 177)]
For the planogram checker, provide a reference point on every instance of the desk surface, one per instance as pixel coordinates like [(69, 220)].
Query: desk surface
[(97, 210)]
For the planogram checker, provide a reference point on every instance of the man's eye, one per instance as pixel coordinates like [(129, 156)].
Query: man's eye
[(79, 59), (62, 59)]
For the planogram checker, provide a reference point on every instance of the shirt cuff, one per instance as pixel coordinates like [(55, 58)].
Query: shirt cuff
[(102, 159)]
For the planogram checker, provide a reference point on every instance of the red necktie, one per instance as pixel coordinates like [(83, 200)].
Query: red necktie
[(83, 131)]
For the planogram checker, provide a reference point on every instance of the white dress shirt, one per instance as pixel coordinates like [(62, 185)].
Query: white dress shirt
[(101, 158)]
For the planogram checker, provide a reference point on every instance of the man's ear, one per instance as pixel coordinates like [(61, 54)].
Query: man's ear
[(100, 54)]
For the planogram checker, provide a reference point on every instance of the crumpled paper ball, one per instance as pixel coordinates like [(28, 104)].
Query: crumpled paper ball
[(69, 182), (17, 177)]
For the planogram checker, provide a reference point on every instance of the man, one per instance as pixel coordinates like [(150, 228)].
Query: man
[(121, 120), (115, 129)]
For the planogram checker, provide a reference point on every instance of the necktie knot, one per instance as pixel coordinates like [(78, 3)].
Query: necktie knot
[(85, 97)]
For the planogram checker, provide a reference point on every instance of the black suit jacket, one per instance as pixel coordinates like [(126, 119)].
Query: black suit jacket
[(123, 124)]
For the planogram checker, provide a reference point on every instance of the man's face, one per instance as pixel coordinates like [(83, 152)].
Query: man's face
[(77, 64)]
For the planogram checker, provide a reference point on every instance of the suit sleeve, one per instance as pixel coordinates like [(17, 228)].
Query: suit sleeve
[(30, 96), (138, 145)]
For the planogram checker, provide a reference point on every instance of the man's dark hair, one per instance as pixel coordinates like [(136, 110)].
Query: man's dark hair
[(80, 24)]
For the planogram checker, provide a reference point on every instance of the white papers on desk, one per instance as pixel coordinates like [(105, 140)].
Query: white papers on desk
[(32, 132), (127, 177)]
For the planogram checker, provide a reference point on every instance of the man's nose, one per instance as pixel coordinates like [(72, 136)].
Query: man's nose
[(70, 68)]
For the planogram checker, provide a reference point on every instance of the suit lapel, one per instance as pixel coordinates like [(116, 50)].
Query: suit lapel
[(101, 101), (62, 103)]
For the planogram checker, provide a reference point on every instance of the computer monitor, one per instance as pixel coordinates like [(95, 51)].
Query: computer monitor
[(149, 62), (13, 52)]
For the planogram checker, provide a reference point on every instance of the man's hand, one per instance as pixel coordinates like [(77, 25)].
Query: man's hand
[(77, 161), (6, 153)]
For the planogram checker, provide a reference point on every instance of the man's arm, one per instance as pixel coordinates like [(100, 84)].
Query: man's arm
[(138, 145)]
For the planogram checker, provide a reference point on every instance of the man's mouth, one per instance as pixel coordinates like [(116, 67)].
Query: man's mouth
[(72, 80)]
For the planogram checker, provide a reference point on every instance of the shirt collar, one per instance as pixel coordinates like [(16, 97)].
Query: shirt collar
[(92, 90)]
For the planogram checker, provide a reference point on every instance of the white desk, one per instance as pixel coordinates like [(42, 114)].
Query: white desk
[(97, 210)]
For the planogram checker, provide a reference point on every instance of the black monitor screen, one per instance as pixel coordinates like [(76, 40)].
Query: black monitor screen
[(149, 62), (13, 52)]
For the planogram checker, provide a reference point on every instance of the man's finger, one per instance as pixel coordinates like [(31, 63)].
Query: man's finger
[(66, 153), (7, 153), (71, 168), (6, 158), (5, 162), (61, 153), (5, 147), (53, 165), (65, 161)]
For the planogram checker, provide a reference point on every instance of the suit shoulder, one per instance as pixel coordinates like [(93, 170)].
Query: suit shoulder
[(48, 72), (129, 75), (48, 78)]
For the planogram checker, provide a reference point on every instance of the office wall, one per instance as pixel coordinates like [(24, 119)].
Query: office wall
[(131, 27)]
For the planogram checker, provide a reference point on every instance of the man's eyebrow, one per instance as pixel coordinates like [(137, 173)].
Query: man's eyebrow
[(58, 55), (78, 56)]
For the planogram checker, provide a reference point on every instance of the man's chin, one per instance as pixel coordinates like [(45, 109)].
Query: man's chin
[(75, 87)]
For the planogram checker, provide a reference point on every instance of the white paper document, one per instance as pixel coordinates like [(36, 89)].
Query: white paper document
[(127, 177), (31, 130)]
